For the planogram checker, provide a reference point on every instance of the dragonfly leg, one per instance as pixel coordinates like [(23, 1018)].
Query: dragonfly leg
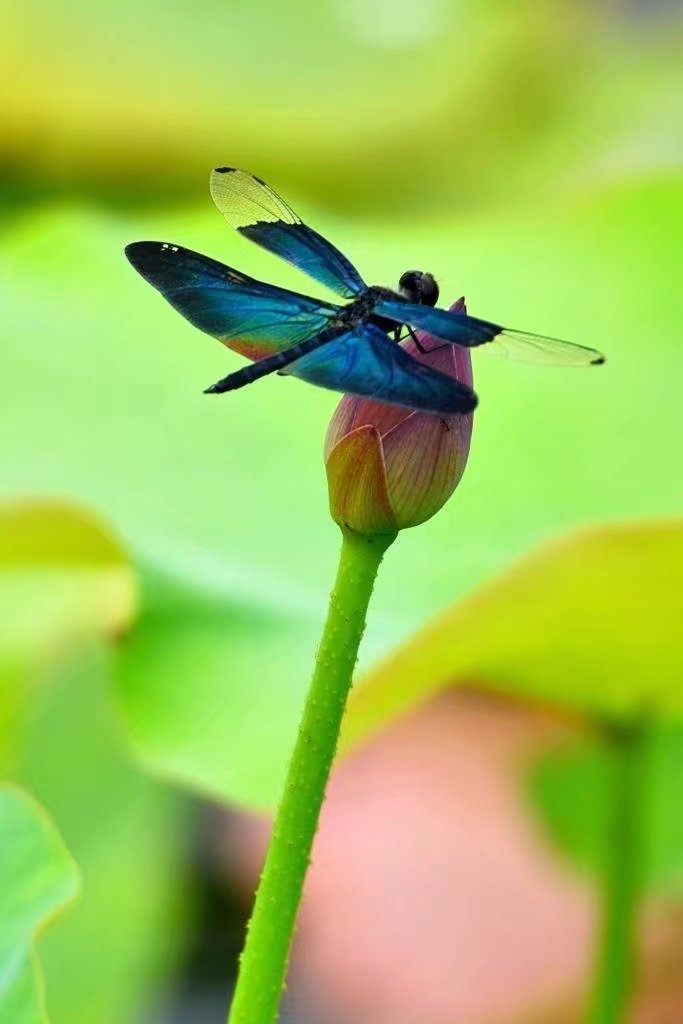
[(437, 348), (410, 333), (420, 348)]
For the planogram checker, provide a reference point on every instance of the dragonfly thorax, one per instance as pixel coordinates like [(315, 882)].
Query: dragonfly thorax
[(414, 287), (361, 310)]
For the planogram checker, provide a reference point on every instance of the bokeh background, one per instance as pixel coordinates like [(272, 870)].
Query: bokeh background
[(167, 555)]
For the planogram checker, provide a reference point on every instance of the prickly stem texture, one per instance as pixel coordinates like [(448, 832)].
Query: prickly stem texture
[(263, 962)]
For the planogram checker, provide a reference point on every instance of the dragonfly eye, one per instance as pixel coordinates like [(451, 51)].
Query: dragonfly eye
[(419, 287)]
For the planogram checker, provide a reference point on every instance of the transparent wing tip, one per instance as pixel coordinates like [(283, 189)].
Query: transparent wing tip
[(536, 348)]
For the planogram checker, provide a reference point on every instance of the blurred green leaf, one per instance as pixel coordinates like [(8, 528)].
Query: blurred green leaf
[(207, 690), (111, 957), (569, 788), (543, 94), (38, 877), (270, 81), (66, 585), (62, 578), (226, 498), (589, 623)]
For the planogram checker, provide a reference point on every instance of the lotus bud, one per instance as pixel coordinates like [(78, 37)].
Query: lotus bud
[(389, 467)]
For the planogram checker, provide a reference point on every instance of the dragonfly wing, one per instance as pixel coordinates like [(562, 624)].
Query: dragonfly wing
[(470, 331), (365, 362), (253, 318), (259, 213), (535, 348), (457, 328)]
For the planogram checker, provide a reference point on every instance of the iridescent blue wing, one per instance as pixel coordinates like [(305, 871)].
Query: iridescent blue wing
[(253, 318), (258, 213), (469, 331), (360, 362), (365, 362)]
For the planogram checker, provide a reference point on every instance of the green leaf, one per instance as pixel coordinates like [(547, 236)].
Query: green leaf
[(66, 587), (589, 624), (336, 58), (569, 789), (63, 578), (129, 835), (226, 497), (38, 877), (208, 691)]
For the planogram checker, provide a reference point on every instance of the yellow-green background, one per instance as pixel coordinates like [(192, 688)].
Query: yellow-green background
[(527, 153)]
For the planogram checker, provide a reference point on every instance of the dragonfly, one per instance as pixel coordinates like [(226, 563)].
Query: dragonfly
[(352, 347)]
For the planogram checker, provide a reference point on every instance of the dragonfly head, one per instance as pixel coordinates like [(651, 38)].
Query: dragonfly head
[(416, 286)]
